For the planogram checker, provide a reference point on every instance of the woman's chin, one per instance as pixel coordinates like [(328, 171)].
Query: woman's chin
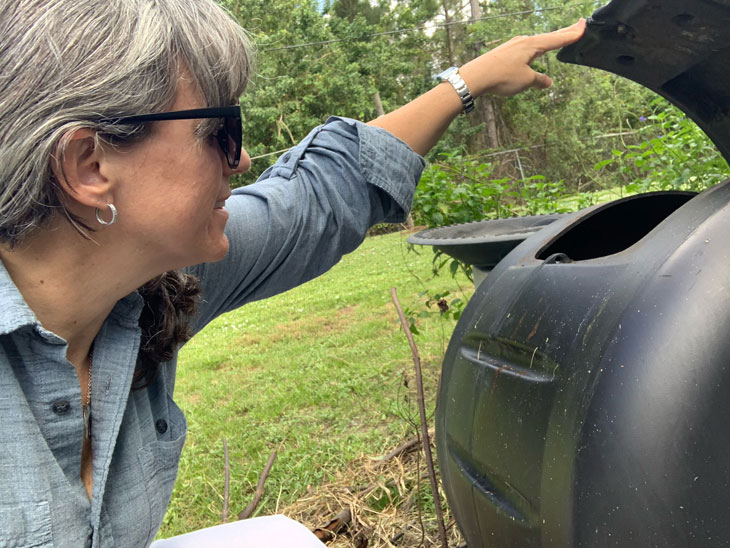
[(210, 253), (219, 251)]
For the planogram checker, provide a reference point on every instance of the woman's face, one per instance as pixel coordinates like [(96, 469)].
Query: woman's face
[(170, 191)]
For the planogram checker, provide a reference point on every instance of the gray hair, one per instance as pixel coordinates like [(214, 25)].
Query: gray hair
[(66, 64)]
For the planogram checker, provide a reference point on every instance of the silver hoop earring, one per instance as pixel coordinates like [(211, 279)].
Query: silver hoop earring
[(112, 220)]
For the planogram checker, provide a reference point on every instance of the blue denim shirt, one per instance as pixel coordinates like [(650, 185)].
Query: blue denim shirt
[(305, 212)]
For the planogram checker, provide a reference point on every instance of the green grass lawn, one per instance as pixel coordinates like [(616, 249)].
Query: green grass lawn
[(318, 373)]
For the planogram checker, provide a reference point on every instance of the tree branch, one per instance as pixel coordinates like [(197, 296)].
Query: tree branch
[(424, 424), (226, 481), (404, 448), (251, 507)]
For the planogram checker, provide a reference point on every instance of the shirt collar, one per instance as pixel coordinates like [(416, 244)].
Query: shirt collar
[(15, 313)]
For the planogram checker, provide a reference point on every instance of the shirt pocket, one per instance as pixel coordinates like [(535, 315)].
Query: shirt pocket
[(26, 526), (159, 461)]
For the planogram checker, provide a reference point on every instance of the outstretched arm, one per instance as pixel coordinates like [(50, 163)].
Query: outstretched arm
[(504, 70)]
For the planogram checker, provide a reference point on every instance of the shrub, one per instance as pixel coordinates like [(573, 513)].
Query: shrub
[(676, 155)]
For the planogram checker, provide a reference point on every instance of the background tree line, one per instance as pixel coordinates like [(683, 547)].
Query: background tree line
[(358, 58)]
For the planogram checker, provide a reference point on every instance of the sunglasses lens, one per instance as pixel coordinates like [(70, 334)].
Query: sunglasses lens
[(229, 137)]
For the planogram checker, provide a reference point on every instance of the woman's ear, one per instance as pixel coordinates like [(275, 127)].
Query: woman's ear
[(77, 168)]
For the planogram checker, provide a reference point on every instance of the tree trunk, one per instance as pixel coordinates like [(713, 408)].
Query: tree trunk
[(490, 118), (476, 10), (449, 36), (484, 107), (378, 104)]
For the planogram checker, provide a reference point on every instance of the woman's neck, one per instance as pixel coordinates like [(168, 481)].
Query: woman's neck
[(71, 284)]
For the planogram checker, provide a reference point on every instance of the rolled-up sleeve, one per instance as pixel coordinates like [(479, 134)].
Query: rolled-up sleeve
[(307, 210)]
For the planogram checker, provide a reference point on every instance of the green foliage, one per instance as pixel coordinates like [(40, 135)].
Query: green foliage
[(436, 304), (461, 189), (457, 190), (451, 309), (675, 155), (337, 73), (352, 9), (541, 197)]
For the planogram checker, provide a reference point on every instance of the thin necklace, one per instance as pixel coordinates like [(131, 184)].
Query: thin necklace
[(86, 407)]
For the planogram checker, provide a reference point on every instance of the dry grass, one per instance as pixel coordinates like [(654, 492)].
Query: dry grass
[(390, 503)]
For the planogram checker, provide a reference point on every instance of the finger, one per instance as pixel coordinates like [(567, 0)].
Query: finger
[(560, 38), (542, 81)]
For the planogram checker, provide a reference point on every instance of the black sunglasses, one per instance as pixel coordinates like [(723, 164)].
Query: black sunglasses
[(229, 135)]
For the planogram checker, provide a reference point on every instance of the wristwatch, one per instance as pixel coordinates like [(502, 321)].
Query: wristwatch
[(452, 76)]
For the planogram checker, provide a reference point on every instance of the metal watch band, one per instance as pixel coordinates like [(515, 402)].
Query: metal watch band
[(452, 76)]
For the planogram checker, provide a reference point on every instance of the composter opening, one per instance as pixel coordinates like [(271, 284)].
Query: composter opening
[(616, 226)]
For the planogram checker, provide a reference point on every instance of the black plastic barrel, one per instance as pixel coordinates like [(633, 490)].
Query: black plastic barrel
[(585, 395)]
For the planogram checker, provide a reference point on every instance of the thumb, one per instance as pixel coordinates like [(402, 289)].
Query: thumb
[(542, 81)]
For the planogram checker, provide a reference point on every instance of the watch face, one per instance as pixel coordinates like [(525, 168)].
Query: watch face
[(445, 74), (451, 75)]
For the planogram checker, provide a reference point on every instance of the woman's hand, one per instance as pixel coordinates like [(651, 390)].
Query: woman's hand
[(503, 71), (506, 70)]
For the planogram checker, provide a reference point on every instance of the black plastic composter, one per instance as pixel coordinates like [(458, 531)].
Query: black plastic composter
[(585, 393)]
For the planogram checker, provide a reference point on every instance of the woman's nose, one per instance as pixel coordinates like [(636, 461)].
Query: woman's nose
[(244, 163)]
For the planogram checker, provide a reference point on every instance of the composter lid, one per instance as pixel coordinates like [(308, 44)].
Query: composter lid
[(482, 243), (678, 48)]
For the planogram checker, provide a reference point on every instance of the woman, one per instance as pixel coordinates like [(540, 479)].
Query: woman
[(109, 185)]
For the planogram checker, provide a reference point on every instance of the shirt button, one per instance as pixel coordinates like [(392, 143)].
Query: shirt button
[(60, 407), (161, 426)]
